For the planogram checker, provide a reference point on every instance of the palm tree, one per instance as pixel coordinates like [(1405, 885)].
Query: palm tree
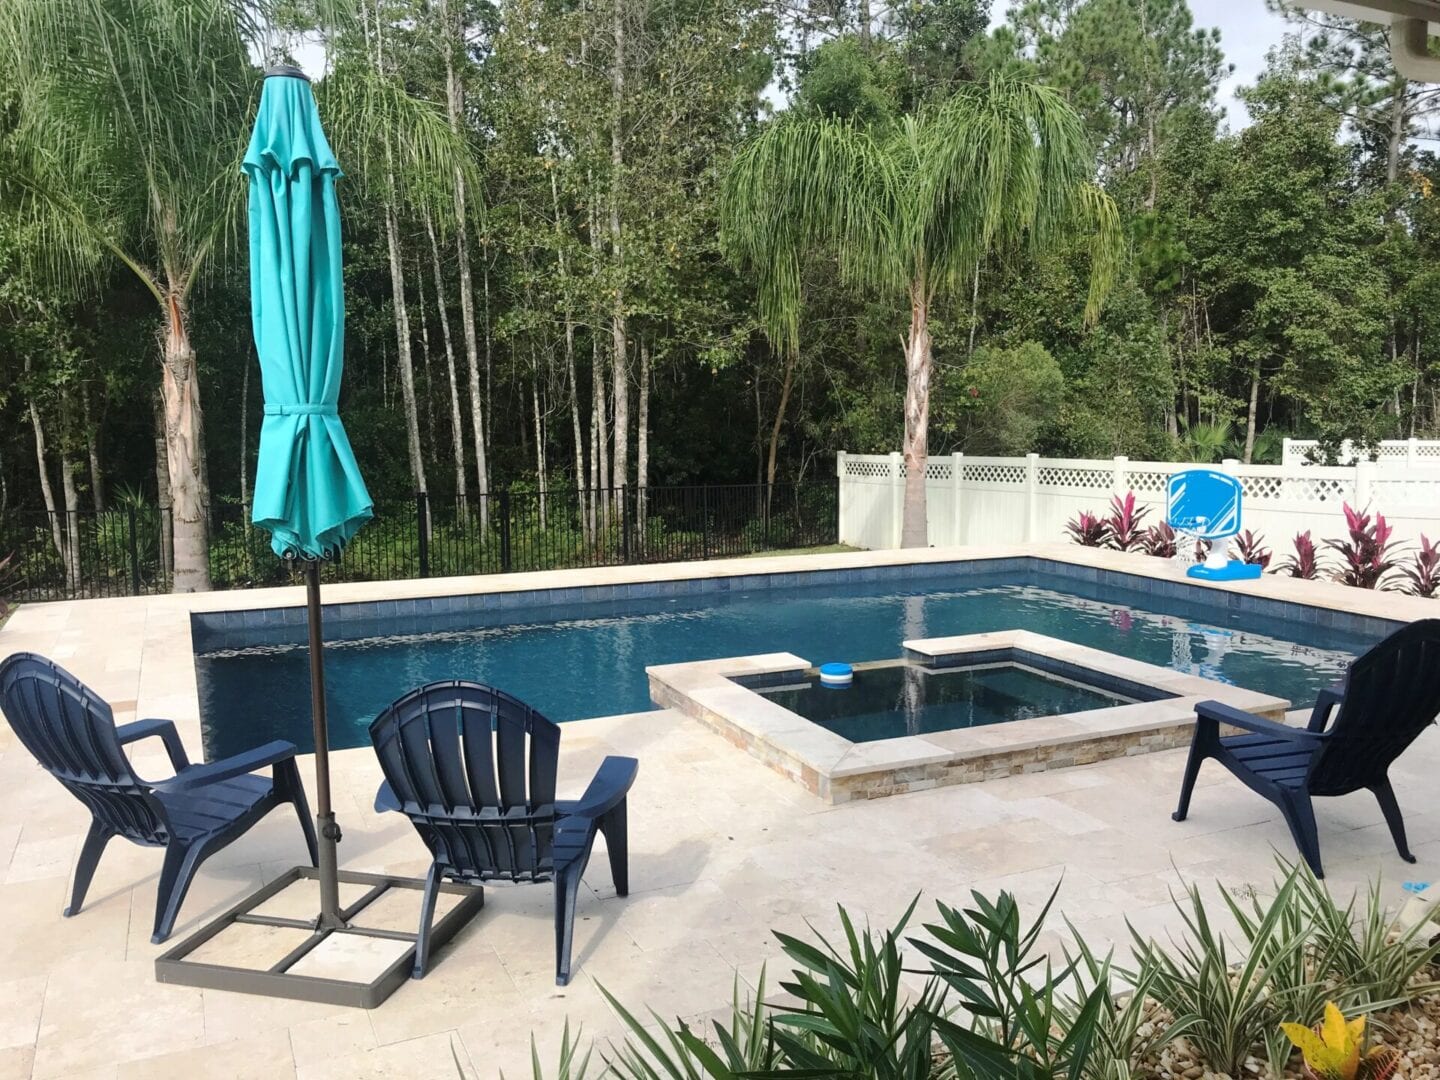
[(129, 132), (914, 207)]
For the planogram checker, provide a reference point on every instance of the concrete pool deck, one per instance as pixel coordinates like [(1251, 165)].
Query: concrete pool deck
[(722, 850)]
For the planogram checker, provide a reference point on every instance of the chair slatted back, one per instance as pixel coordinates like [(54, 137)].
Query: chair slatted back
[(474, 770), (1392, 694), (71, 732)]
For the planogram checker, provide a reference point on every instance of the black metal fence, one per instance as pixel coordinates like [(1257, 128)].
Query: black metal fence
[(125, 552)]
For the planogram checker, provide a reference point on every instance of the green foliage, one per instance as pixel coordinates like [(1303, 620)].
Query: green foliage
[(1001, 400)]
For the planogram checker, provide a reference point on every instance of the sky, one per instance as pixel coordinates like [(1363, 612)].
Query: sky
[(1247, 32)]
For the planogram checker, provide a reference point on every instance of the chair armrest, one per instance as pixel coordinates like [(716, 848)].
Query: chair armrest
[(1325, 702), (610, 785), (1218, 712), (165, 730), (199, 776), (386, 801)]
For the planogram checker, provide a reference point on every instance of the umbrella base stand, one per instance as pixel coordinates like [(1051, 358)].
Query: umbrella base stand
[(270, 943)]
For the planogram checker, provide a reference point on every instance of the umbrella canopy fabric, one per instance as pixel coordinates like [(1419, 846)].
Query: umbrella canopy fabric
[(308, 490)]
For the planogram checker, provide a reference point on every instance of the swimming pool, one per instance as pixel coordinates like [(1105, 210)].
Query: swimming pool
[(573, 658)]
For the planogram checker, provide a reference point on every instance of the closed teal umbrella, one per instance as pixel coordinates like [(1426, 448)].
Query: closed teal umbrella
[(308, 490)]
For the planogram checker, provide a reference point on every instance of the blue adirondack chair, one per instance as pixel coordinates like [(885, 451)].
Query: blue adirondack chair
[(1388, 697), (474, 770), (72, 733)]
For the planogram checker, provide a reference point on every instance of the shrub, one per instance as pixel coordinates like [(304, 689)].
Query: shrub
[(1159, 540), (1088, 530), (9, 579), (1335, 1049), (1424, 571), (1305, 562), (1226, 1004), (1251, 549), (1123, 524), (1366, 555)]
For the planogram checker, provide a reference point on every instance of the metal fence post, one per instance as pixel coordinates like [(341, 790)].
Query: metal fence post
[(625, 524), (705, 521), (422, 523), (505, 531), (134, 551)]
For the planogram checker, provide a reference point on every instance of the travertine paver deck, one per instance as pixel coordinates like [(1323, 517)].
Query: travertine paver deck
[(722, 850)]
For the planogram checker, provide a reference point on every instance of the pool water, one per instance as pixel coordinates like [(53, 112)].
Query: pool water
[(890, 700), (578, 660)]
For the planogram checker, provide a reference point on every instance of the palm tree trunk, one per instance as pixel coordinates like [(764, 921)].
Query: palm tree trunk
[(913, 528), (402, 341), (185, 456), (786, 383), (457, 427)]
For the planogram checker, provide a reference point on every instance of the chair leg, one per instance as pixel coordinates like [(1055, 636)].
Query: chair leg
[(1300, 816), (90, 852), (567, 889), (287, 781), (181, 862), (427, 919), (1198, 753), (1385, 796), (615, 828)]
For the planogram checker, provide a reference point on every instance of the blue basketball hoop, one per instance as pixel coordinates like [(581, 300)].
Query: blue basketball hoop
[(1205, 504)]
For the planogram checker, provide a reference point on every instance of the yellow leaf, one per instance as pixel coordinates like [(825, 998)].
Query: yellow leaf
[(1357, 1029), (1333, 1029), (1307, 1042)]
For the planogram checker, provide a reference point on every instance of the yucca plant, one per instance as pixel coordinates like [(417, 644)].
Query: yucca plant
[(1088, 530), (1335, 1049), (1226, 1005), (1423, 573), (1123, 524), (743, 1046), (1250, 548), (1159, 540), (990, 962), (1126, 1030), (1362, 946), (1304, 562), (1366, 555)]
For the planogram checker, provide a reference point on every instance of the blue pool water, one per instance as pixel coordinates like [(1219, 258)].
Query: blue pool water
[(581, 660)]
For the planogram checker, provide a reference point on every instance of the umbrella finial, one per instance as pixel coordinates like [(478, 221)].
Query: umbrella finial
[(288, 71)]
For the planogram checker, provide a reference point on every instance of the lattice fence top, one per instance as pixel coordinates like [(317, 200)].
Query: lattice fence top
[(867, 468), (1387, 451), (1058, 476), (994, 474), (942, 469)]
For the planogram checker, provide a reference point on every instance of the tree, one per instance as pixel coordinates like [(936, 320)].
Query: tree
[(1002, 399), (1002, 165), (127, 147)]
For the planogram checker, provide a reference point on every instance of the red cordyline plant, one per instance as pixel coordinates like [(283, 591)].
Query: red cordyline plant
[(1159, 540), (1366, 555), (1250, 546), (1424, 571), (1305, 562), (1088, 530), (1124, 522)]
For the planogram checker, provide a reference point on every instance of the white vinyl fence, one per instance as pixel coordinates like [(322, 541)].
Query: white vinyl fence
[(1414, 453), (1002, 500)]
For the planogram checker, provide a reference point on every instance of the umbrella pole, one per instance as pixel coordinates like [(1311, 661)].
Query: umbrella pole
[(326, 828)]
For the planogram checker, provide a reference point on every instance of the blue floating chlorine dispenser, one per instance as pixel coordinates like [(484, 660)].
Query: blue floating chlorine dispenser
[(836, 676), (1204, 504)]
